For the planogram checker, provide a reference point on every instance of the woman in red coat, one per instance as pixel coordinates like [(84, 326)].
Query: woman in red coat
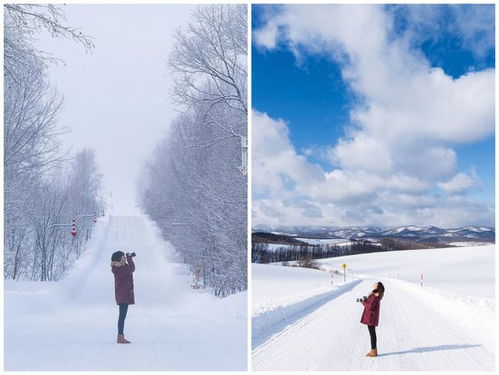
[(122, 266), (370, 315)]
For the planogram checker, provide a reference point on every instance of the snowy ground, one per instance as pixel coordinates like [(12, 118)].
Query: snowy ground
[(326, 241), (470, 243), (290, 285), (71, 324), (448, 325), (464, 270)]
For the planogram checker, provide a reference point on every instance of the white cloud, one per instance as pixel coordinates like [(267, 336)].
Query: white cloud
[(473, 24), (458, 184), (266, 37), (403, 130), (347, 197), (276, 165), (362, 152)]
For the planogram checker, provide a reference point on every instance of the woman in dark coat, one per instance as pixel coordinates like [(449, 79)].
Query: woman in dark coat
[(370, 315), (122, 266)]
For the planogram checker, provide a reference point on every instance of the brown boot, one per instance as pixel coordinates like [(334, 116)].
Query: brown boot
[(121, 340), (372, 353)]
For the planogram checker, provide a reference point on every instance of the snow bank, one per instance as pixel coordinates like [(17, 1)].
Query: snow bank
[(274, 285), (269, 322), (282, 295), (475, 315)]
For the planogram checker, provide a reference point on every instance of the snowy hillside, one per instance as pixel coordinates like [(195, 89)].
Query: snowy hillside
[(446, 325), (327, 241), (464, 270), (171, 326)]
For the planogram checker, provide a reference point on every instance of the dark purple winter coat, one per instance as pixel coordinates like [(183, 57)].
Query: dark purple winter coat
[(123, 281), (370, 316)]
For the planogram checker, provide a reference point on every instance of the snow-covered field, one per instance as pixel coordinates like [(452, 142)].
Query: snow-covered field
[(278, 286), (470, 243), (449, 324), (325, 241), (71, 324), (464, 270)]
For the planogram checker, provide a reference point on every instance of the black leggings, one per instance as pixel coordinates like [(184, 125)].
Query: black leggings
[(121, 318), (372, 333)]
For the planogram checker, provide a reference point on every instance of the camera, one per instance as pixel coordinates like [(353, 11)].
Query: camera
[(131, 254), (363, 299)]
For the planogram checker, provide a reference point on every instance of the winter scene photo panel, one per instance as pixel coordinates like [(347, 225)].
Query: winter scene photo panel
[(373, 179), (125, 187)]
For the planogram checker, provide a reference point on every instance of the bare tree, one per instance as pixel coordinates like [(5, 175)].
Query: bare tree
[(209, 58), (23, 21), (193, 187), (33, 198)]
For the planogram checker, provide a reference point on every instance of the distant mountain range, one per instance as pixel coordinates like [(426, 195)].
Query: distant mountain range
[(428, 234)]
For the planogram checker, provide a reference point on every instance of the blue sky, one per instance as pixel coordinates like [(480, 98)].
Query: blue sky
[(299, 78), (316, 111)]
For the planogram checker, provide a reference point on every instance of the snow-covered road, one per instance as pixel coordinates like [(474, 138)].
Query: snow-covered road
[(419, 330), (71, 324)]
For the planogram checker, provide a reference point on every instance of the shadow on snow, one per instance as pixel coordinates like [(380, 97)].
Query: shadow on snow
[(430, 349)]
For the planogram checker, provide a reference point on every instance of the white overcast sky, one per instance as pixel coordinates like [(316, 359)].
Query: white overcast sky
[(117, 97)]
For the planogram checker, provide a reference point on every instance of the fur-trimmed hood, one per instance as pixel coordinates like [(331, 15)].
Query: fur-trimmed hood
[(118, 263)]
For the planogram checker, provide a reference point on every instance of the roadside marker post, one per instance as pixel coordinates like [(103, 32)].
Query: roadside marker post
[(421, 280), (73, 228), (344, 266)]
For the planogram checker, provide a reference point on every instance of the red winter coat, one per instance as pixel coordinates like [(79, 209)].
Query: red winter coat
[(123, 281), (370, 316)]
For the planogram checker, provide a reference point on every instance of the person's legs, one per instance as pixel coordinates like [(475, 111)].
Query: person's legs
[(372, 333), (121, 318)]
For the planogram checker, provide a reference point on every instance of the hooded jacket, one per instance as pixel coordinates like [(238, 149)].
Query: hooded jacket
[(370, 315), (123, 281)]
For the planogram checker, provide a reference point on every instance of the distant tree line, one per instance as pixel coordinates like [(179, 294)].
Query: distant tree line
[(43, 185), (261, 252)]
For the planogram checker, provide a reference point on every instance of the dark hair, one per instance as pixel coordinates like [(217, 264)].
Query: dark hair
[(380, 289), (117, 256)]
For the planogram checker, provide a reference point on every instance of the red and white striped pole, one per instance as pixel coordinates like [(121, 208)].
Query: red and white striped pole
[(73, 228)]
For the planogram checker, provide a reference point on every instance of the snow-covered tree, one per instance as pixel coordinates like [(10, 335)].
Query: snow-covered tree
[(193, 187), (22, 22), (209, 58), (37, 184)]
